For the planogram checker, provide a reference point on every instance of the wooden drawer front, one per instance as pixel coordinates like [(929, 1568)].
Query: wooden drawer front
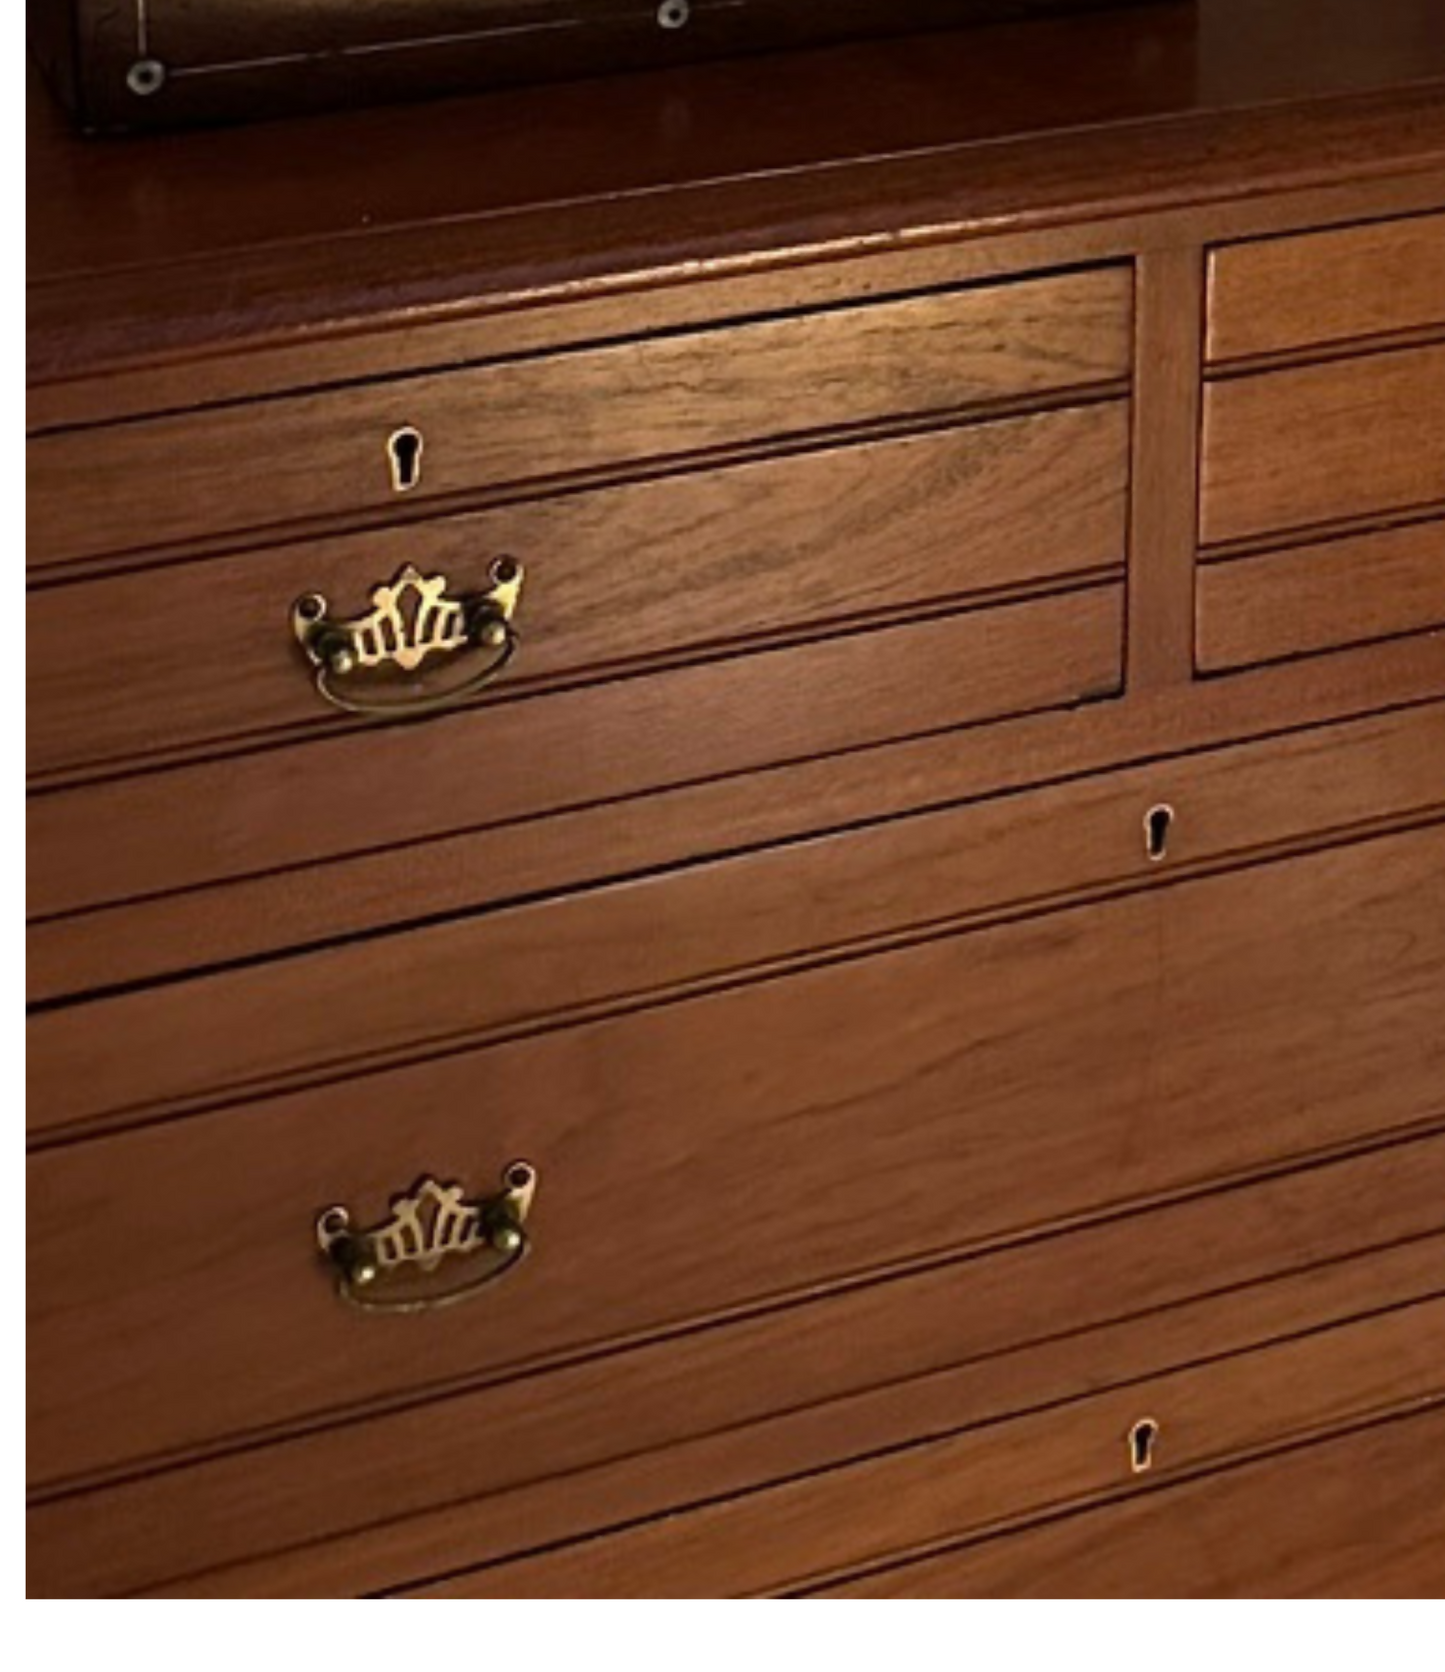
[(154, 483), (1321, 597), (799, 1532), (606, 1442), (1289, 450), (1001, 1081), (196, 653), (1286, 295), (1362, 1515), (504, 762), (386, 999)]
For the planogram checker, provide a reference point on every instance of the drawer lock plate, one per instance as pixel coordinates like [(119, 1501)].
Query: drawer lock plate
[(438, 1246), (368, 664)]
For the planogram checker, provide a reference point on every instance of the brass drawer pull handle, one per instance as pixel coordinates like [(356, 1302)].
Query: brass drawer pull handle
[(357, 661), (437, 1247)]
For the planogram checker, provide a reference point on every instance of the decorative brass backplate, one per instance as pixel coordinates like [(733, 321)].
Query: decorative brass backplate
[(357, 660), (437, 1247)]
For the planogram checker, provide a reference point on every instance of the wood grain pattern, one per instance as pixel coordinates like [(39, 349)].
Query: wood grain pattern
[(140, 487), (719, 1411), (801, 1531), (464, 871), (1162, 532), (1361, 1515), (501, 762), (1284, 295), (1047, 1070), (396, 998), (898, 1122), (1352, 438), (720, 173), (200, 653), (1302, 602)]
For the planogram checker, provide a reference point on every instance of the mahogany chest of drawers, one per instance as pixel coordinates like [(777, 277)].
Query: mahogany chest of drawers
[(738, 831)]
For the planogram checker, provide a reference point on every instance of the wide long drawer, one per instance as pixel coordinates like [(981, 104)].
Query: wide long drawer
[(496, 1471), (1134, 1436), (1001, 1082), (136, 488), (1360, 1515), (178, 1045)]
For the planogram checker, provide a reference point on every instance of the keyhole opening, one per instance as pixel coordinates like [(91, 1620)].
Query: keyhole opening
[(1158, 822), (674, 14), (404, 450), (1143, 1437)]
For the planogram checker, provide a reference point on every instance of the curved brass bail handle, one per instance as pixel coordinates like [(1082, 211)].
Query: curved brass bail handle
[(412, 618), (436, 1248)]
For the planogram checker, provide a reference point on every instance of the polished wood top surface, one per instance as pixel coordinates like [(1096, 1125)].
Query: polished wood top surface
[(180, 243)]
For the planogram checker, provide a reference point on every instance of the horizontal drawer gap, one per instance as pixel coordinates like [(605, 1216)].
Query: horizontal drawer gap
[(233, 1098), (1023, 1376), (143, 559), (1319, 354), (1293, 658), (1421, 1131), (1205, 1465), (1319, 534), (1104, 691), (519, 689), (288, 933)]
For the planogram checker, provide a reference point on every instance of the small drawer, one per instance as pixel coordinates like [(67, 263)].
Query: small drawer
[(960, 1092), (796, 1535), (114, 1059), (1325, 596), (195, 655), (1318, 289), (1286, 451), (228, 473), (1358, 1515)]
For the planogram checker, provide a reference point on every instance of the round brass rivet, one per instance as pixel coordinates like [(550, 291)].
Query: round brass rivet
[(342, 661), (146, 76), (506, 1239), (494, 635)]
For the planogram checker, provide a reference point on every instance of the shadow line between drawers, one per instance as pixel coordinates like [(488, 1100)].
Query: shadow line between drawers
[(1207, 1465), (367, 1541), (239, 1095), (1421, 1130), (725, 818), (1206, 1469), (1320, 354), (1303, 536)]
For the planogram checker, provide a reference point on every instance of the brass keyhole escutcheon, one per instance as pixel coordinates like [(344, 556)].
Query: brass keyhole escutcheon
[(1143, 1439), (404, 448), (1158, 824)]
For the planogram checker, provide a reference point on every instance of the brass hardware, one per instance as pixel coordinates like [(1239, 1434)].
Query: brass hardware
[(674, 14), (145, 77), (1158, 822), (436, 1248), (1143, 1437), (404, 448), (410, 619)]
